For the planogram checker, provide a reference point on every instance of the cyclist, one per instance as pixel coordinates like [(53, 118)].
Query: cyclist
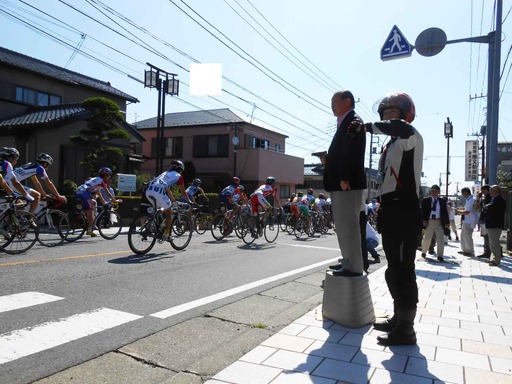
[(230, 195), (194, 190), (311, 200), (258, 197), (85, 193), (34, 170), (321, 203), (9, 158), (160, 189)]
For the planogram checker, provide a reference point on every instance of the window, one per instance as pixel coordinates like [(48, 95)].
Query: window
[(278, 147), (284, 191), (258, 143), (31, 96), (211, 146), (173, 147)]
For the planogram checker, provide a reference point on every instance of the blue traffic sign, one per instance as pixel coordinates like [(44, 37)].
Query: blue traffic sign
[(396, 46)]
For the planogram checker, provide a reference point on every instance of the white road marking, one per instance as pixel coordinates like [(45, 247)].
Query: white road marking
[(312, 247), (230, 292), (30, 340), (25, 299)]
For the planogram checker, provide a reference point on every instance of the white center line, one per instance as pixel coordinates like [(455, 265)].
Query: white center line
[(230, 292)]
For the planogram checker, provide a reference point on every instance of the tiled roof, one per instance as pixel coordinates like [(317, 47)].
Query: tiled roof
[(28, 63), (45, 116), (313, 170), (203, 117)]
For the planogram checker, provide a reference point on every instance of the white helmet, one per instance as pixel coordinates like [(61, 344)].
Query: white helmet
[(44, 157)]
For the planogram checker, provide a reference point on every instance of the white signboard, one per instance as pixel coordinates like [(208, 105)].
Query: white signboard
[(126, 183), (472, 160)]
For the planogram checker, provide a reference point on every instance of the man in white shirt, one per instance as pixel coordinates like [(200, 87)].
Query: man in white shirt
[(469, 224)]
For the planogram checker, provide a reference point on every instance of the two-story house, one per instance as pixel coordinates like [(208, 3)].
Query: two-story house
[(40, 109), (220, 144)]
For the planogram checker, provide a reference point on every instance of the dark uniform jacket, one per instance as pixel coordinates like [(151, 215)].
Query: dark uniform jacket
[(495, 212), (345, 158), (426, 210)]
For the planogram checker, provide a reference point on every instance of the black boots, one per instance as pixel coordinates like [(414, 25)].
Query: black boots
[(388, 324), (403, 333)]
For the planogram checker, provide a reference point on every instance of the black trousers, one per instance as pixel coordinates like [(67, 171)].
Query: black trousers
[(400, 226)]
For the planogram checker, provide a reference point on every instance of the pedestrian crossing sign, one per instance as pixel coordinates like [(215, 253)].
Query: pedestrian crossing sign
[(396, 46)]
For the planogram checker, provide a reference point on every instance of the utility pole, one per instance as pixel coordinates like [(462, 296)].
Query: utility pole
[(448, 133)]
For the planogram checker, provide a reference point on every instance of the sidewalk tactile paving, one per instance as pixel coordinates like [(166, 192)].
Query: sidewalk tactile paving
[(463, 325)]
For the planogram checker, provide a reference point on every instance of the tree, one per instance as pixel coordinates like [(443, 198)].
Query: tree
[(99, 134)]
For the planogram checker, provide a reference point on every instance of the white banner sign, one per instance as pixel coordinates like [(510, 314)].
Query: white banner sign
[(126, 183), (472, 160)]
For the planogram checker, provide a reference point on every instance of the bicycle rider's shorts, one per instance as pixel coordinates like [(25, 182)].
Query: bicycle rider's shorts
[(158, 193), (225, 199), (304, 210), (259, 200), (87, 201)]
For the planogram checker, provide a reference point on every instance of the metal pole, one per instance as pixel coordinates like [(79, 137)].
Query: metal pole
[(159, 133), (492, 148), (162, 126), (447, 163), (490, 76), (370, 168)]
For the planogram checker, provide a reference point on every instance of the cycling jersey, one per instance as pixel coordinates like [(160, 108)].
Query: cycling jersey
[(92, 185), (230, 191), (311, 200), (191, 192), (265, 190), (7, 171), (29, 170), (166, 179)]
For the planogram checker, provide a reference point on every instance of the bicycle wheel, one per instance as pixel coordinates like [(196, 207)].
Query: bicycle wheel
[(20, 231), (53, 227), (283, 221), (238, 224), (181, 232), (218, 226), (109, 224), (250, 230), (141, 234), (200, 223), (271, 230), (299, 228), (77, 226)]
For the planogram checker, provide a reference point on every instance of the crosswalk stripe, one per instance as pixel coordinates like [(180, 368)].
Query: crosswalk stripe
[(30, 340), (25, 299)]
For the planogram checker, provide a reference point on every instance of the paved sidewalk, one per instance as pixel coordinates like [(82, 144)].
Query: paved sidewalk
[(464, 330)]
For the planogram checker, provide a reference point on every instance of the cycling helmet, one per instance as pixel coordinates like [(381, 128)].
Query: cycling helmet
[(105, 171), (9, 151), (241, 188), (300, 194), (177, 165), (196, 181), (236, 180), (310, 191), (321, 196), (402, 101), (271, 180), (44, 157)]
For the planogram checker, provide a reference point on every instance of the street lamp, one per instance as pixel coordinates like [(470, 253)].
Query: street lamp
[(167, 83), (448, 133)]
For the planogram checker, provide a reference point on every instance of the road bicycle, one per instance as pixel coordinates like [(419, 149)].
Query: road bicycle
[(18, 228), (222, 226), (201, 219), (107, 221), (53, 224), (264, 224), (149, 228)]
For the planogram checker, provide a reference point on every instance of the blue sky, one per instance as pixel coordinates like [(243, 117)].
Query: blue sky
[(336, 45)]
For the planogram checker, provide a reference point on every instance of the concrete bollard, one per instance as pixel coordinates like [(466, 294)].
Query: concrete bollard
[(348, 301)]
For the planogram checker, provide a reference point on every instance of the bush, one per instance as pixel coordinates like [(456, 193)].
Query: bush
[(69, 187)]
